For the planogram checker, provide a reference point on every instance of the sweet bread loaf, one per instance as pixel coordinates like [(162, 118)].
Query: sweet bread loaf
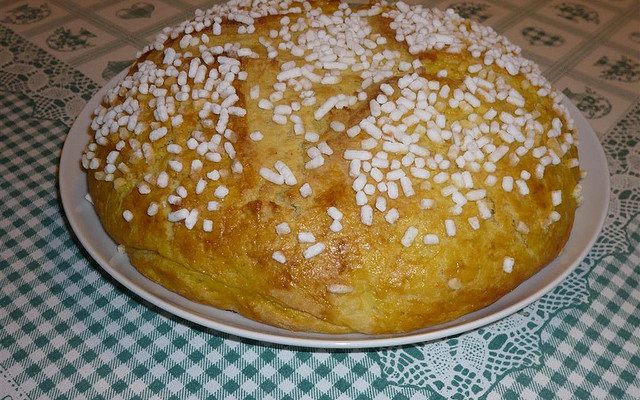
[(334, 168)]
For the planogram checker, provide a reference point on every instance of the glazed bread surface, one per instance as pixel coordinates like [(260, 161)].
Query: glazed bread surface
[(332, 168)]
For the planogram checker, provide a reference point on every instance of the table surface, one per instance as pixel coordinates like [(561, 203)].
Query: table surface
[(67, 330)]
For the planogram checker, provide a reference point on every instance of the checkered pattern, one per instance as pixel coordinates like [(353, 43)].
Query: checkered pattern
[(67, 330), (593, 352)]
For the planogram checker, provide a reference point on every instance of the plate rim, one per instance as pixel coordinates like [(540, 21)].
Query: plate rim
[(332, 341)]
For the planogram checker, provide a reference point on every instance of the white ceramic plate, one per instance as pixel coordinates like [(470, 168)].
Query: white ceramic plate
[(84, 221)]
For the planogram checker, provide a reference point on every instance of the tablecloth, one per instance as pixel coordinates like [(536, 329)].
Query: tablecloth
[(68, 330)]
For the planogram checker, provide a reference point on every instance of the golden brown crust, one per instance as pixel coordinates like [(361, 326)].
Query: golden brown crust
[(394, 288)]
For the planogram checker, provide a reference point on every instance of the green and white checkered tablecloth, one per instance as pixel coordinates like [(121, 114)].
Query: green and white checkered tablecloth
[(67, 330)]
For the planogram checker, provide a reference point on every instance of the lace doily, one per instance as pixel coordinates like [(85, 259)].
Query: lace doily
[(57, 91)]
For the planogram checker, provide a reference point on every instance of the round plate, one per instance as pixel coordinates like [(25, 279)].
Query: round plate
[(84, 221)]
